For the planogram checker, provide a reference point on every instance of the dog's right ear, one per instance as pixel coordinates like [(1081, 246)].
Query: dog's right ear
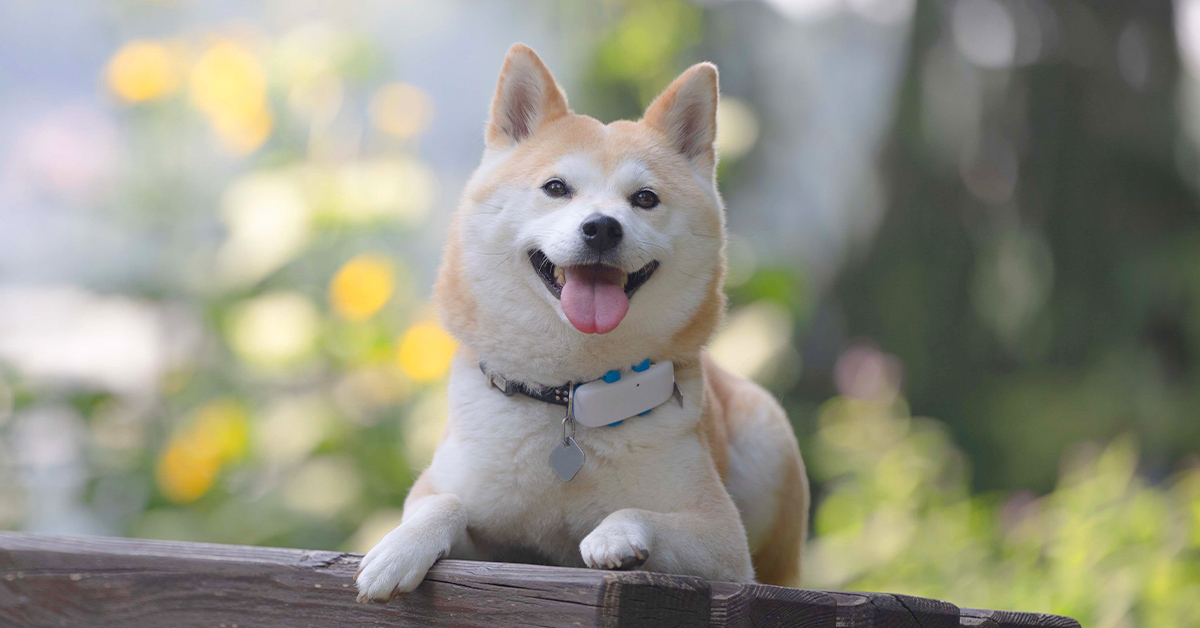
[(526, 98)]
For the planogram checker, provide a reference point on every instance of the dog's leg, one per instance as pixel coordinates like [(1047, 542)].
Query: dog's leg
[(710, 544), (433, 523)]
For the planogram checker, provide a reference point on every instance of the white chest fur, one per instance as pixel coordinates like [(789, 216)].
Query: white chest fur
[(494, 457)]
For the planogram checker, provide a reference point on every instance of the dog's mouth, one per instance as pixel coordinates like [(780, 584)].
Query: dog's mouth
[(594, 297)]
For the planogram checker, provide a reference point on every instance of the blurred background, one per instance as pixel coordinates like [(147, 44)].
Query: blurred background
[(965, 253)]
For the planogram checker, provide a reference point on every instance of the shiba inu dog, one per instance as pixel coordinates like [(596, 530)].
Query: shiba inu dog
[(582, 253)]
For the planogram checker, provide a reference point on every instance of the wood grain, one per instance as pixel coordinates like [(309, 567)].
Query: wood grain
[(1013, 619), (102, 582), (754, 605)]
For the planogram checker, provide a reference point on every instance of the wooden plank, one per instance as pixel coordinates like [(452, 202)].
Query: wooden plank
[(890, 610), (765, 606), (55, 581), (917, 612), (1013, 619), (642, 598), (88, 581), (854, 610)]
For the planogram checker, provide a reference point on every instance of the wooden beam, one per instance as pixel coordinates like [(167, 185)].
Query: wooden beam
[(100, 582)]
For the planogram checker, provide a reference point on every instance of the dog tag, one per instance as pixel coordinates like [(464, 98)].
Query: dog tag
[(566, 459)]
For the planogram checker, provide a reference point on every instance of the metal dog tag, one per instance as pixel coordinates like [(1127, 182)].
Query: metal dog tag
[(566, 459)]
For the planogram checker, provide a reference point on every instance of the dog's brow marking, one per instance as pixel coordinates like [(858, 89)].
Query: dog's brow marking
[(578, 170), (498, 208), (623, 176)]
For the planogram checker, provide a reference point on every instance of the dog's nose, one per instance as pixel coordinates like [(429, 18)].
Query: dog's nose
[(601, 232)]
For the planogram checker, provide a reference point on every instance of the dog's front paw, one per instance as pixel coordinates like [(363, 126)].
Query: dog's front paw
[(619, 542), (396, 565)]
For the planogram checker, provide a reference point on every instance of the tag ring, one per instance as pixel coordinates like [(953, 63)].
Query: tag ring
[(568, 422)]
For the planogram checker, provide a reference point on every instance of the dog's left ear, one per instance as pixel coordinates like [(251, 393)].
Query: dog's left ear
[(527, 97), (687, 113)]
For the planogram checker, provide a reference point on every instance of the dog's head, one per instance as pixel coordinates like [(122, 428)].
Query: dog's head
[(584, 242)]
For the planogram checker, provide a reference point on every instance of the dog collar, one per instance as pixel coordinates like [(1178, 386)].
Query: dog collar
[(557, 395), (606, 401), (603, 402)]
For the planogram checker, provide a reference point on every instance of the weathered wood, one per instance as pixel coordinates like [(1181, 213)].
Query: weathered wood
[(51, 581), (747, 605), (890, 610), (1012, 619), (85, 581)]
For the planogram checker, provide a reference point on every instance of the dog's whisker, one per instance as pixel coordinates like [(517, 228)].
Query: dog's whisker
[(688, 274), (479, 252)]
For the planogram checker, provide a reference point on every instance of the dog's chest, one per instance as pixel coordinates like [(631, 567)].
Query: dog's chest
[(496, 459), (515, 503)]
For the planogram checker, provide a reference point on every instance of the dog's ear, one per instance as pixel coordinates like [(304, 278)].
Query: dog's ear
[(526, 98), (687, 113)]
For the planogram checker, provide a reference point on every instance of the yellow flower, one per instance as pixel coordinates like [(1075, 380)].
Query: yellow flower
[(362, 286), (215, 434), (228, 84), (143, 70), (243, 136), (223, 423), (425, 352), (185, 474)]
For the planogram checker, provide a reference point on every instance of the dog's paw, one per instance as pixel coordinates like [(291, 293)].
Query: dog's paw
[(396, 565), (617, 543)]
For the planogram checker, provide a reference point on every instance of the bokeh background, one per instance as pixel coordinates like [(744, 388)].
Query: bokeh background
[(965, 253)]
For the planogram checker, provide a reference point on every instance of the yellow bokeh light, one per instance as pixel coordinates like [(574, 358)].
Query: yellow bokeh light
[(425, 352), (362, 286), (184, 474), (402, 189), (188, 467), (243, 136), (229, 85), (274, 330), (401, 110), (737, 128), (143, 70), (223, 425), (228, 81)]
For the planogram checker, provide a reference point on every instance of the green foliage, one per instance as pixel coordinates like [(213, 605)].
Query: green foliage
[(639, 55), (1104, 547)]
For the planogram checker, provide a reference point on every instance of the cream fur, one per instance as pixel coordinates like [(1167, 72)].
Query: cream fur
[(676, 491)]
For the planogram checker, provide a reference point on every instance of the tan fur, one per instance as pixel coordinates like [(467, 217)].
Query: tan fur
[(736, 400), (453, 297), (713, 486)]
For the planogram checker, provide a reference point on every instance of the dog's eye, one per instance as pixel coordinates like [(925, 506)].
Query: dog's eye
[(644, 199), (555, 188)]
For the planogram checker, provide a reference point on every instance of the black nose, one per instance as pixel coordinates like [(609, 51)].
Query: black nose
[(601, 232)]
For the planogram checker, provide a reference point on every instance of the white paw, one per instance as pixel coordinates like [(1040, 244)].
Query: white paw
[(396, 565), (617, 543)]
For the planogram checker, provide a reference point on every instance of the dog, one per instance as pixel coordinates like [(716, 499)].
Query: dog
[(581, 251)]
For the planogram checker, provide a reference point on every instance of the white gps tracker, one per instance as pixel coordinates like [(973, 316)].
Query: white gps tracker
[(604, 402)]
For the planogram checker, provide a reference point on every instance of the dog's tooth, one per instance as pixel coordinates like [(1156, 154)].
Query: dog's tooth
[(560, 275), (624, 280)]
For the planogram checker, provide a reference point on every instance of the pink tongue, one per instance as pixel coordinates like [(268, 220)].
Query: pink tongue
[(593, 299)]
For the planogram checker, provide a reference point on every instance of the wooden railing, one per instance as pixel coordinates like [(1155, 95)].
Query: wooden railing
[(98, 582)]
